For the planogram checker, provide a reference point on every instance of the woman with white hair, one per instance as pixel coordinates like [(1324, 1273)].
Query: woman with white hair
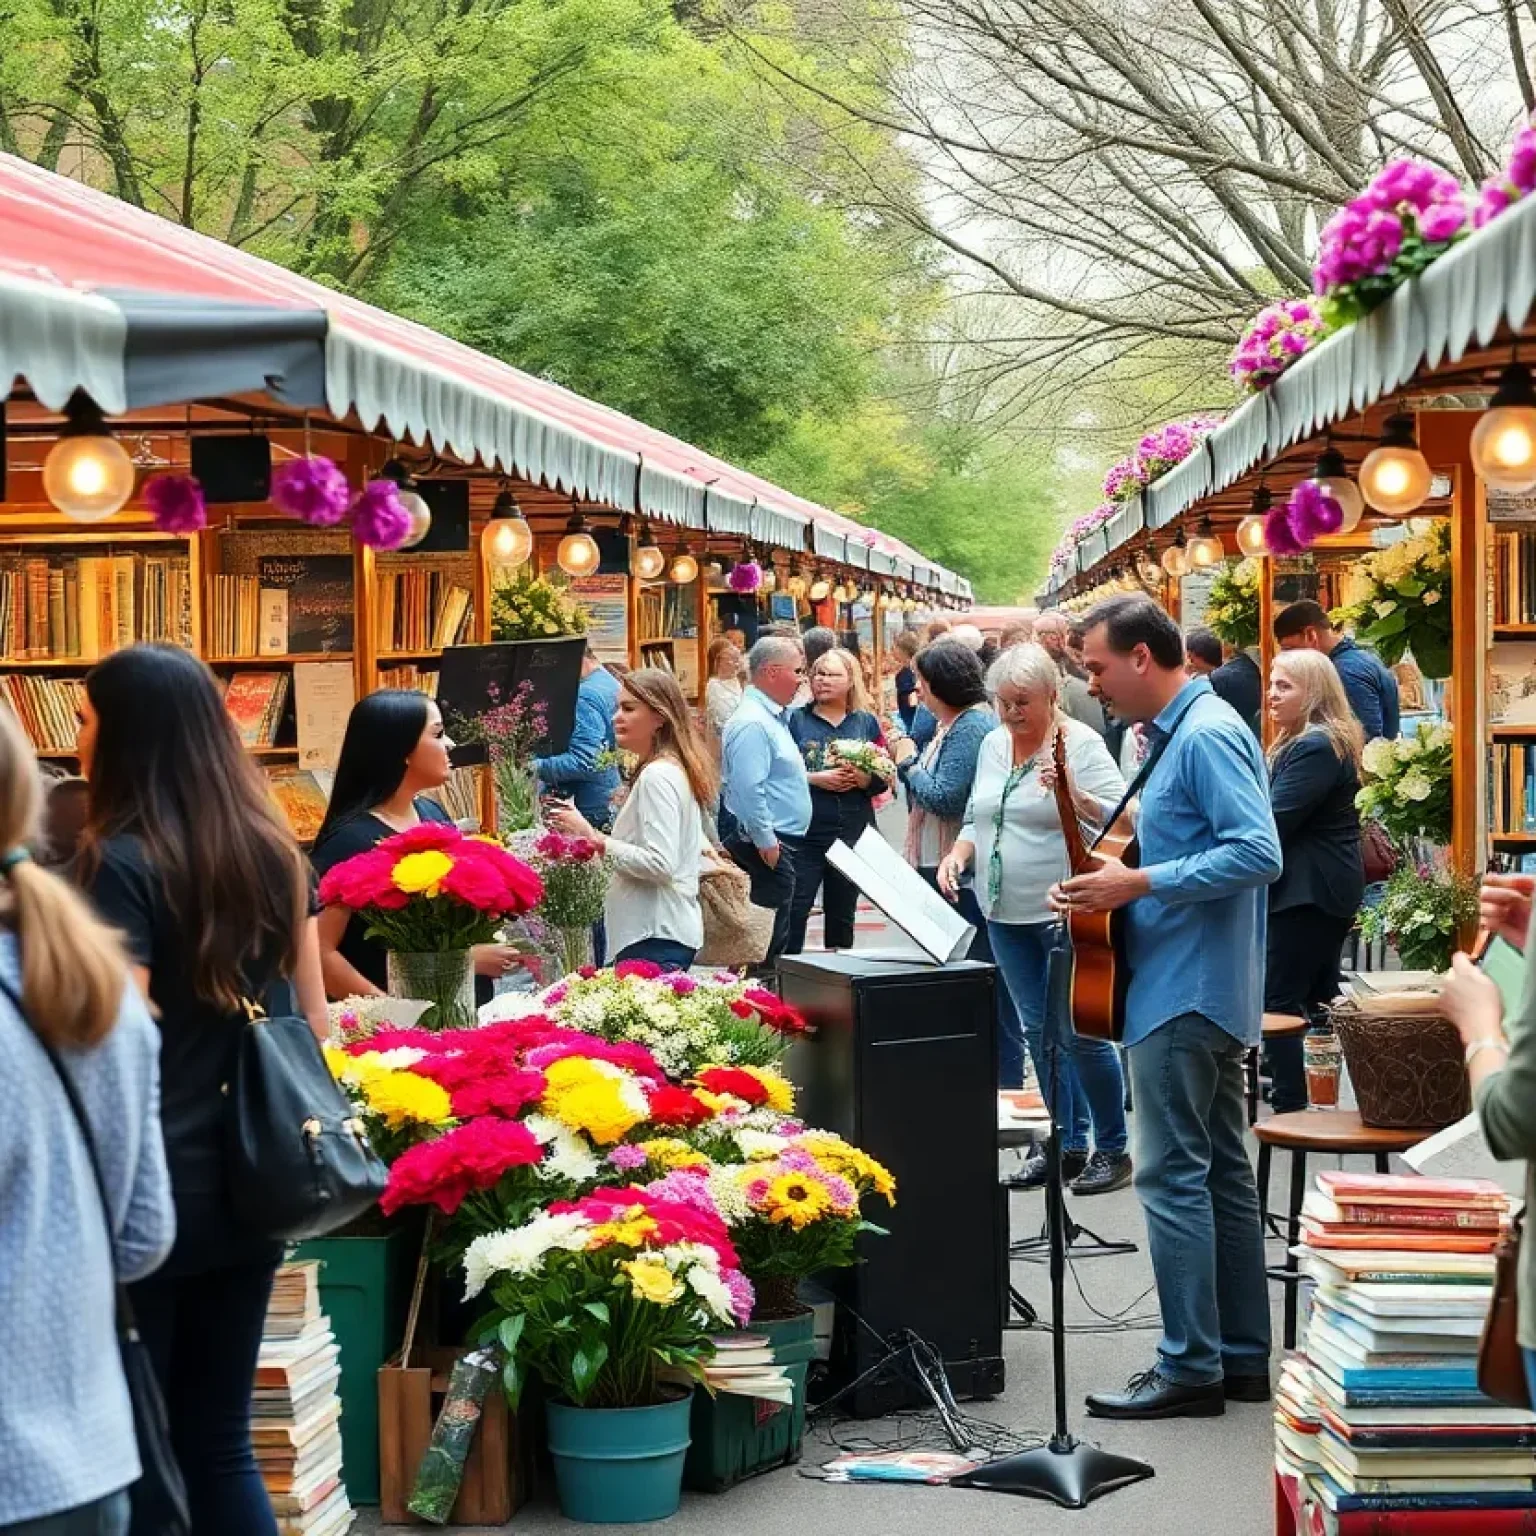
[(1013, 840)]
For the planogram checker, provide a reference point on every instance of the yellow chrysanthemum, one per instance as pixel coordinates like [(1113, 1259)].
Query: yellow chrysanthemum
[(838, 1156), (632, 1231), (598, 1108), (569, 1072), (797, 1198), (652, 1281), (337, 1060), (780, 1091), (400, 1099), (716, 1102), (421, 874), (669, 1152)]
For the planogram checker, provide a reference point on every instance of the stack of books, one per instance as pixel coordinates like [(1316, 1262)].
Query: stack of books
[(1379, 1423), (295, 1410), (234, 622)]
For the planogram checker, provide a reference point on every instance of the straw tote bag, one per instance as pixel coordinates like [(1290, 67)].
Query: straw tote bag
[(736, 933)]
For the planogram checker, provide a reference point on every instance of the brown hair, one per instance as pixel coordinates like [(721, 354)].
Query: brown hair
[(907, 643), (73, 970), (678, 737), (849, 663), (1328, 708), (717, 648)]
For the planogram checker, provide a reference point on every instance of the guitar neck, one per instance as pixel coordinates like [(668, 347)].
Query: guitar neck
[(1071, 829)]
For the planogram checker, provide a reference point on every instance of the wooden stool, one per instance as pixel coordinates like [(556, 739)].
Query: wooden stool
[(1276, 1026), (1335, 1131)]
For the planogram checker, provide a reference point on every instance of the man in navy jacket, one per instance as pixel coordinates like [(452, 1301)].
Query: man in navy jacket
[(1369, 686), (577, 771)]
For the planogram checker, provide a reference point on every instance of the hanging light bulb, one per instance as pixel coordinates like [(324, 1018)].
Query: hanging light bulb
[(1504, 440), (820, 586), (1332, 477), (1250, 532), (684, 568), (411, 500), (908, 604), (1205, 549), (649, 562), (578, 554), (507, 540), (1395, 477), (1147, 567), (87, 474), (1175, 559)]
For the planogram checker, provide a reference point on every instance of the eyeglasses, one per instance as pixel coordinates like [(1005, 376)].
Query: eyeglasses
[(1012, 706)]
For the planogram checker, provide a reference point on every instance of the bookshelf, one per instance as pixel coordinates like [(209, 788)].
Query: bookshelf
[(1508, 674)]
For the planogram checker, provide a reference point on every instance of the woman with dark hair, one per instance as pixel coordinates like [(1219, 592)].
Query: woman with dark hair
[(652, 911), (395, 750), (187, 856)]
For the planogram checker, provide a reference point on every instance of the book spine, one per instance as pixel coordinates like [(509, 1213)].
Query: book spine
[(1429, 1220)]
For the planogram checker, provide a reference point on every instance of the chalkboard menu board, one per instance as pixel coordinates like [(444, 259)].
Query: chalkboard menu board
[(475, 679), (319, 589)]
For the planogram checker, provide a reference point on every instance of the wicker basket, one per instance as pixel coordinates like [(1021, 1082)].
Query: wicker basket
[(1407, 1069)]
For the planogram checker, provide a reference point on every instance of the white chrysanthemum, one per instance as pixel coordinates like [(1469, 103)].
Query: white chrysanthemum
[(707, 1285), (679, 1255), (511, 1005), (729, 1194), (759, 1145), (1378, 757), (521, 1250), (570, 1156), (400, 1058)]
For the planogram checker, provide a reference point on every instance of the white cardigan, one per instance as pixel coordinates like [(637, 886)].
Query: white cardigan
[(654, 847)]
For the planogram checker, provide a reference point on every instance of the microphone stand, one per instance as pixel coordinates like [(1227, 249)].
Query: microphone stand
[(1065, 1470)]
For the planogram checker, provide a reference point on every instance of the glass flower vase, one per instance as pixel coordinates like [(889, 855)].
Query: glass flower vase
[(573, 948), (444, 979)]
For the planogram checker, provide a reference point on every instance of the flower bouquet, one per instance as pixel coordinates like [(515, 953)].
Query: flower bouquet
[(1408, 784), (866, 756), (1409, 604), (428, 894), (1232, 611), (575, 875), (510, 730), (531, 607), (1422, 913), (1275, 338), (1167, 446), (1409, 215)]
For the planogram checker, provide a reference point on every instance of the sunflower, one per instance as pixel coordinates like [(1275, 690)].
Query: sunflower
[(797, 1198)]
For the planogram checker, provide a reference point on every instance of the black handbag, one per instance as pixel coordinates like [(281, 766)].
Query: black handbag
[(159, 1498), (299, 1163)]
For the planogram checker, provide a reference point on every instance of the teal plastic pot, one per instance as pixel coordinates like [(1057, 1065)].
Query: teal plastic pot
[(619, 1466)]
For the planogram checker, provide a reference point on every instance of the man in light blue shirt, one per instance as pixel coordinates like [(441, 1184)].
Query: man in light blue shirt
[(1195, 920), (763, 782)]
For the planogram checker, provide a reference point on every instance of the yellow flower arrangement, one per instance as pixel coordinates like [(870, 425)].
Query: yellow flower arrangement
[(633, 1230), (651, 1280), (858, 1167), (401, 1099), (780, 1091), (669, 1152), (594, 1097), (422, 874)]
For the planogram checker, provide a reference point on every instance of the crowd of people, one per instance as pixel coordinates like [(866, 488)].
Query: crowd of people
[(180, 904)]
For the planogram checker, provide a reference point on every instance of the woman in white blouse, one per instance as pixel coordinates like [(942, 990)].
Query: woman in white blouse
[(652, 911), (1012, 836)]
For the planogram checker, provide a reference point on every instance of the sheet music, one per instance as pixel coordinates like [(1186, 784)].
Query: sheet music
[(903, 896)]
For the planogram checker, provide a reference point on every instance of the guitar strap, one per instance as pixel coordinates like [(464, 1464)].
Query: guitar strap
[(1142, 775)]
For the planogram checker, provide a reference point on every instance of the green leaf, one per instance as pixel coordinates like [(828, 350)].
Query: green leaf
[(512, 1380), (511, 1331), (599, 1310)]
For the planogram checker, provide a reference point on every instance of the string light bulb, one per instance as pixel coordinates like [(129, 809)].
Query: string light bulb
[(1250, 532), (1205, 549), (1332, 477), (1148, 569), (649, 561), (1504, 439), (411, 501), (578, 554), (507, 540), (684, 568), (87, 475), (1395, 477), (1175, 559), (820, 587)]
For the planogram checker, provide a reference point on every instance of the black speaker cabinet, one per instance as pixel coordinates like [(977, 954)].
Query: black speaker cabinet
[(233, 467), (903, 1063)]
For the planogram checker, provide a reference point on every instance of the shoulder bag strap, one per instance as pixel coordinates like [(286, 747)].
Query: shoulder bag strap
[(125, 1319), (1142, 775)]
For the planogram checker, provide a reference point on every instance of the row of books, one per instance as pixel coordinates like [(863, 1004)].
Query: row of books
[(86, 606), (293, 603), (1378, 1419), (1512, 787), (421, 608), (296, 1412), (47, 707), (410, 677), (1514, 578)]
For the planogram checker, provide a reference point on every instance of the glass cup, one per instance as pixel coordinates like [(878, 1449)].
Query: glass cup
[(1322, 1061)]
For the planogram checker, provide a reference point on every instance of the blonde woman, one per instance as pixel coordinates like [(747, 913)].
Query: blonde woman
[(842, 798), (722, 693), (67, 1449), (652, 911), (1314, 773)]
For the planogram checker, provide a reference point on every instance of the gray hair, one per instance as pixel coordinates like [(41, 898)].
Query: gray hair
[(772, 651), (1028, 667), (968, 634)]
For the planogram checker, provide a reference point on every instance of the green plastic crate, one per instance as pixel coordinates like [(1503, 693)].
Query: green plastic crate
[(735, 1438), (364, 1290)]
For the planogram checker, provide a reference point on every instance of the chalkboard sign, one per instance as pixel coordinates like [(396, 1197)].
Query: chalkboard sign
[(474, 679), (319, 589)]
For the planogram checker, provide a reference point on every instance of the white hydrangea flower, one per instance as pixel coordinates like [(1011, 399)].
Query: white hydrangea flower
[(1378, 757), (1407, 749), (729, 1194), (712, 1291), (1414, 786), (521, 1251)]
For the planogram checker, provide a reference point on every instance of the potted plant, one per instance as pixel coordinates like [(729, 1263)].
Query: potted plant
[(1423, 913), (1232, 611), (606, 1300), (430, 895), (575, 876)]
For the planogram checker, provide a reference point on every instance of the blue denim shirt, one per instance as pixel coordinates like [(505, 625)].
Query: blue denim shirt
[(763, 784), (1370, 688), (575, 771), (1209, 846)]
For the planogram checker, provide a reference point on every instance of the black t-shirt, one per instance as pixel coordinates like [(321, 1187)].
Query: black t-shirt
[(198, 1043), (906, 686), (358, 835)]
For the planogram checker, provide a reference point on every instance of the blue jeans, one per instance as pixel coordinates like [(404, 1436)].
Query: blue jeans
[(1530, 1372), (106, 1517), (203, 1332), (664, 952), (1201, 1204), (1089, 1085)]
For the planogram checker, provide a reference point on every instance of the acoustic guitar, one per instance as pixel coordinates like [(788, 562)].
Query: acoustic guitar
[(1100, 974)]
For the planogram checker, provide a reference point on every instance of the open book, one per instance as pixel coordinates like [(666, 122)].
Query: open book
[(904, 897)]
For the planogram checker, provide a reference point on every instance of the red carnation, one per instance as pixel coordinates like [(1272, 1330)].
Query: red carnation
[(470, 1158), (425, 834), (743, 1010), (646, 970), (732, 1080), (679, 1107), (507, 1094), (365, 880)]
